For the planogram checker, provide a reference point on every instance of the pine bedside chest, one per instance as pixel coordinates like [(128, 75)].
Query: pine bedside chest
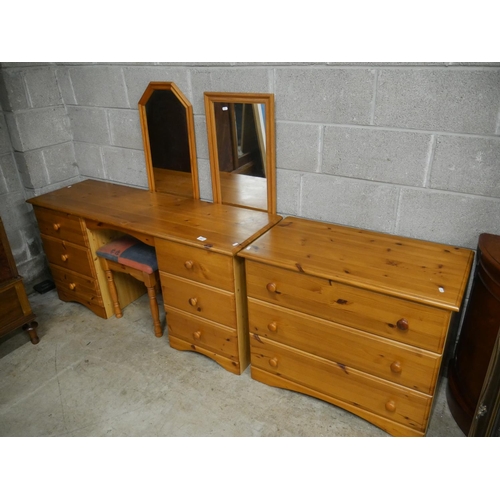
[(353, 317)]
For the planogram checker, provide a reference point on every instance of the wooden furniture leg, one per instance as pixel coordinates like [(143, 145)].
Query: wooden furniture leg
[(112, 289), (150, 281), (31, 329)]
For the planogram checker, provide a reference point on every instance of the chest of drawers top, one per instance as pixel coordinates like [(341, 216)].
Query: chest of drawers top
[(220, 228), (424, 272)]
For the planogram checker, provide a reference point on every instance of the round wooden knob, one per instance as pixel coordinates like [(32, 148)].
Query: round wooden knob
[(56, 226), (390, 406), (188, 264), (271, 287), (396, 367), (403, 324), (272, 327), (197, 335), (273, 362), (64, 257), (193, 301), (72, 286)]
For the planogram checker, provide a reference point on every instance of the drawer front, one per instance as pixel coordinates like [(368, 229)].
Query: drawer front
[(67, 255), (405, 365), (196, 264), (75, 283), (93, 302), (198, 299), (397, 319), (410, 408), (202, 333), (10, 306), (59, 225)]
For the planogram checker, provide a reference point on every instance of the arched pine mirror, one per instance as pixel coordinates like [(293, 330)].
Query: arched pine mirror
[(241, 143), (169, 142)]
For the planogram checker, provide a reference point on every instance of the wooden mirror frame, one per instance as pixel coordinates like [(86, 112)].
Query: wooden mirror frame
[(245, 98), (190, 135)]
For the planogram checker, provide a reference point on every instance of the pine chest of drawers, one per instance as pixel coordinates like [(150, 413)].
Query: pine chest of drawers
[(353, 317)]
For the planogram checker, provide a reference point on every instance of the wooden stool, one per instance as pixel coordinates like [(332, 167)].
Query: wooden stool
[(130, 255)]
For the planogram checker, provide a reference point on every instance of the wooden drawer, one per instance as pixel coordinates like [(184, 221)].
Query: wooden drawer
[(393, 318), (93, 302), (68, 255), (405, 365), (391, 401), (75, 283), (202, 333), (198, 299), (10, 304), (196, 264), (60, 225)]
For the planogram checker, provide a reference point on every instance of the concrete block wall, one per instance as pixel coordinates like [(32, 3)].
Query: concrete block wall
[(37, 155), (406, 150), (410, 149)]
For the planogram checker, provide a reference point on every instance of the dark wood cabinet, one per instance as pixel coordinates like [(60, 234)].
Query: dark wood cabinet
[(15, 309), (469, 365), (486, 421)]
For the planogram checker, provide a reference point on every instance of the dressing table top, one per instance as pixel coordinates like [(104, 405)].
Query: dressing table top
[(221, 228)]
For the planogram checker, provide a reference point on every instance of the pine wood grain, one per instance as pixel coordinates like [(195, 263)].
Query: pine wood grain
[(388, 425), (402, 267), (353, 317), (336, 380), (197, 264), (200, 300), (393, 361), (60, 225), (202, 333), (196, 244), (349, 305), (68, 255), (225, 229)]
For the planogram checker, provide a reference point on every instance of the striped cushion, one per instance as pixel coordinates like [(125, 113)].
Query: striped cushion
[(131, 252)]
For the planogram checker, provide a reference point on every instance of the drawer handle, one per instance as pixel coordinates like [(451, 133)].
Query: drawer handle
[(272, 327), (193, 301), (197, 335), (390, 406), (64, 257), (271, 287), (188, 264), (396, 367), (72, 286), (56, 226), (403, 324), (273, 362)]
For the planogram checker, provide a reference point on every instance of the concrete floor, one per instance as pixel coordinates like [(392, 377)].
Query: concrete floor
[(95, 377)]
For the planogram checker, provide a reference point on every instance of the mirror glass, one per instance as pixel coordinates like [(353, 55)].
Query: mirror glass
[(240, 129), (169, 144)]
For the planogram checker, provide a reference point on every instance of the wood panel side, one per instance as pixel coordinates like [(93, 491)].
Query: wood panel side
[(241, 313), (129, 289)]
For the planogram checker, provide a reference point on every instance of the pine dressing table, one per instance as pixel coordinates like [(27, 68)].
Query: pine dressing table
[(196, 243)]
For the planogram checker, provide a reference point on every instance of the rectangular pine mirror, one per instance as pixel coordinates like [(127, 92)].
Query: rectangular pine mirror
[(169, 142), (241, 144)]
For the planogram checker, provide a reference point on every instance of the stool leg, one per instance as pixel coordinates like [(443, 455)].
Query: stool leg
[(113, 293), (155, 311)]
